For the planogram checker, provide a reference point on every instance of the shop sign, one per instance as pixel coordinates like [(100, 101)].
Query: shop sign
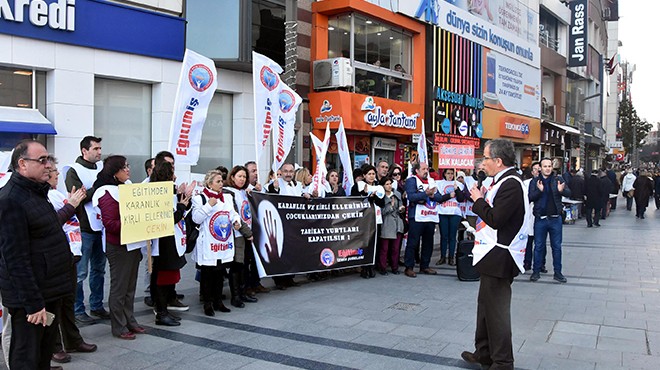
[(440, 139), (551, 135), (415, 138), (509, 27), (457, 98), (514, 129), (616, 144), (384, 143), (577, 34), (377, 116), (96, 24), (326, 115)]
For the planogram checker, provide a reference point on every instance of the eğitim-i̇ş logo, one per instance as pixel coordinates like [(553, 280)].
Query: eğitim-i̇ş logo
[(200, 77), (220, 226), (286, 101), (269, 78)]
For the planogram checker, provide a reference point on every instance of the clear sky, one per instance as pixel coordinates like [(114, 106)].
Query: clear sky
[(637, 24)]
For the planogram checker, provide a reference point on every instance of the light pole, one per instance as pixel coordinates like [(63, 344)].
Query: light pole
[(583, 150)]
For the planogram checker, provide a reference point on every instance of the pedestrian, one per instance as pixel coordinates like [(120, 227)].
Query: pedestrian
[(391, 230), (214, 212), (449, 214), (35, 258), (69, 339), (83, 173), (423, 197), (124, 259), (643, 189), (498, 254), (546, 191), (656, 182), (607, 186), (615, 186), (593, 199), (577, 189), (627, 188), (529, 175)]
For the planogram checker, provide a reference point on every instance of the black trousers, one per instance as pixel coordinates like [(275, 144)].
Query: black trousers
[(70, 334), (31, 346), (211, 280), (589, 211), (493, 335)]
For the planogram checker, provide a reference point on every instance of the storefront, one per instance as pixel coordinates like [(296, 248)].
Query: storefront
[(380, 92)]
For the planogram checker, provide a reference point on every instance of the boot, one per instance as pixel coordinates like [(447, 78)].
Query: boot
[(208, 309), (219, 306), (242, 292), (372, 272), (162, 318), (452, 261), (233, 287), (441, 261)]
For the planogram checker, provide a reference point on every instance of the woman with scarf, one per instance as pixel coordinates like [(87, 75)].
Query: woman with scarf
[(124, 260), (243, 255), (369, 188), (214, 212)]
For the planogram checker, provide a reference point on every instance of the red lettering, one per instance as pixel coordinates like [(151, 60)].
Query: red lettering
[(180, 151)]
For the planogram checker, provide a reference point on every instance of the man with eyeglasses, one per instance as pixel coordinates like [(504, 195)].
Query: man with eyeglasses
[(35, 258), (93, 261)]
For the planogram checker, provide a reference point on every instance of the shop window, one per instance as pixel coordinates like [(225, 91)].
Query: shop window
[(268, 18), (216, 146), (23, 88), (122, 118), (381, 55)]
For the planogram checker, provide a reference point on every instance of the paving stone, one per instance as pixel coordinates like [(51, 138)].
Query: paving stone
[(623, 345), (577, 328), (622, 333), (549, 363), (573, 339)]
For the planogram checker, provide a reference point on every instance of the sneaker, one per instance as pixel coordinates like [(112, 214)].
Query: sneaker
[(535, 276), (559, 277), (101, 313), (177, 305), (84, 319), (544, 270)]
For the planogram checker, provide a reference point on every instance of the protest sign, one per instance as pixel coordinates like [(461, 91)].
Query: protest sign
[(146, 211)]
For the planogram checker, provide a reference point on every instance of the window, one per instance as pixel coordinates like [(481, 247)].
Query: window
[(268, 18), (23, 88), (216, 146), (122, 118), (380, 55)]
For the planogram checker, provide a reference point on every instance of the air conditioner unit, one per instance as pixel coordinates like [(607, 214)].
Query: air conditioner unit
[(332, 73)]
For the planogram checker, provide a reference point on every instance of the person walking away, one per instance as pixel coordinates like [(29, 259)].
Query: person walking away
[(615, 186), (577, 189), (627, 187), (498, 254), (546, 191), (605, 197), (643, 187), (593, 199)]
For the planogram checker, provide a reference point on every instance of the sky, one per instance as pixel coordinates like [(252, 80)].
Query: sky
[(637, 22)]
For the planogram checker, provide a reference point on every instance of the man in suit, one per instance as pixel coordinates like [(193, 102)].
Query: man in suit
[(500, 242)]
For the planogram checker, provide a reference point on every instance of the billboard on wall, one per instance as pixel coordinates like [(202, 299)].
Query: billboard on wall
[(507, 26), (577, 34)]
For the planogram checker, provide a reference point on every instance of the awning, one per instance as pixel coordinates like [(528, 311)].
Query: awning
[(24, 120), (569, 129)]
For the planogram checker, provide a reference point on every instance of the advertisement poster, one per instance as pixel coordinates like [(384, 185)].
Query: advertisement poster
[(510, 85), (295, 235)]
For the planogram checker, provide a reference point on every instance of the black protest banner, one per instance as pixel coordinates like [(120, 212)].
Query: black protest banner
[(296, 235)]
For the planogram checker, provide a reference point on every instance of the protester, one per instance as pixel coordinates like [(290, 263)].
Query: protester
[(124, 259), (423, 196), (236, 186), (35, 268), (594, 190), (148, 168), (336, 189), (252, 280), (382, 170), (546, 191), (253, 176), (449, 213), (528, 176), (499, 242), (84, 173), (627, 188), (391, 230), (169, 259), (214, 212), (66, 214), (369, 188), (643, 189)]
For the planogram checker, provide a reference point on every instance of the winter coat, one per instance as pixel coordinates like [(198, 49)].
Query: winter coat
[(577, 187), (643, 190), (627, 183), (594, 192), (535, 194), (392, 222)]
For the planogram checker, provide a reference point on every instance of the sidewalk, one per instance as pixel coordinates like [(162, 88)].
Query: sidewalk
[(606, 317)]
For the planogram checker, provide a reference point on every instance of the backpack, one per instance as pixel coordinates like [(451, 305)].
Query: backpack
[(192, 229)]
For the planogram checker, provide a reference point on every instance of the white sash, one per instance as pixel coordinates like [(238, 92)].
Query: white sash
[(427, 212), (243, 206), (486, 237), (466, 207), (72, 226), (286, 189), (87, 177), (451, 206)]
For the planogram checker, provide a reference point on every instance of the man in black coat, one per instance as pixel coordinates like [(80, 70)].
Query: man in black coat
[(35, 259), (607, 186), (594, 195), (577, 189), (506, 216)]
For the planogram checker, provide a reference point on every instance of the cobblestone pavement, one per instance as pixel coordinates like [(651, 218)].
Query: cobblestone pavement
[(606, 317)]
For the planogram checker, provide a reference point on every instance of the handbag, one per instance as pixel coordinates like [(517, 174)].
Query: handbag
[(631, 193)]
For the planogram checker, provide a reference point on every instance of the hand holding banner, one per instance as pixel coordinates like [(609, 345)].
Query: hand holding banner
[(146, 211), (197, 84), (422, 153)]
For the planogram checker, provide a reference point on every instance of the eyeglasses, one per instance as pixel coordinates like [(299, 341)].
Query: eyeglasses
[(42, 160), (396, 174)]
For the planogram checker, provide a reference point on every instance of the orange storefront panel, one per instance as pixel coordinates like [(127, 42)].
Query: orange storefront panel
[(520, 129)]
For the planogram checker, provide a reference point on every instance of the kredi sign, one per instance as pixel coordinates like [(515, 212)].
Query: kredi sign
[(58, 15)]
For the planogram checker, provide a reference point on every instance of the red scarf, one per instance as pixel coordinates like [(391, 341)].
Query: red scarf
[(212, 194), (422, 180)]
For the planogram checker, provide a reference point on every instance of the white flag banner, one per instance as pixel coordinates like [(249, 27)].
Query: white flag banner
[(288, 103), (197, 84), (345, 158), (5, 161), (422, 152), (266, 86), (321, 150)]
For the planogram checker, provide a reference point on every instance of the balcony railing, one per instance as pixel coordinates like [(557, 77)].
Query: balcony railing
[(550, 42)]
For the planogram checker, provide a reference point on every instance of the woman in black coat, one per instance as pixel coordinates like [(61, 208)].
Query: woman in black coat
[(643, 186), (167, 264)]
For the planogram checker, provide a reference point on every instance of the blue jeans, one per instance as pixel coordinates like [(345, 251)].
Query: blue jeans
[(543, 227), (417, 231), (448, 229), (92, 260)]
